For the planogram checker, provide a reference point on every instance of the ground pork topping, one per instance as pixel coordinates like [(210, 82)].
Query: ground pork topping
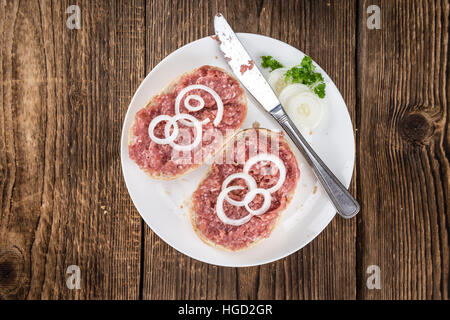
[(266, 176), (159, 158)]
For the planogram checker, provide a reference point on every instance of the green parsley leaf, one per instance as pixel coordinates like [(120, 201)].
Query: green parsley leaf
[(304, 73), (269, 62), (320, 90)]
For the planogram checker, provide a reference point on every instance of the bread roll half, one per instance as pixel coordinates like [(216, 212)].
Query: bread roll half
[(242, 154), (156, 155)]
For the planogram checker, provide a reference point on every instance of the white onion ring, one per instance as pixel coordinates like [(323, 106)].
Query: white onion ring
[(251, 184), (171, 137), (197, 98), (221, 214), (173, 123), (153, 125), (253, 190), (216, 97), (291, 91), (306, 109), (277, 80), (268, 157), (250, 196)]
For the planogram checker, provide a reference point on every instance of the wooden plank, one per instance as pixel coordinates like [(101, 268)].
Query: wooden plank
[(325, 268), (168, 274), (63, 200), (403, 134), (63, 96)]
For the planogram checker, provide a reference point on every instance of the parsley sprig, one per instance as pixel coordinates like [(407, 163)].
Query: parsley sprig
[(269, 62), (303, 73)]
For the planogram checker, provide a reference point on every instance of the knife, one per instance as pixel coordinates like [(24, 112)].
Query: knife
[(247, 72)]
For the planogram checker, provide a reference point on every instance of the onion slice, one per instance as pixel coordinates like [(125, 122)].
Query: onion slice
[(249, 197), (221, 213), (268, 157), (188, 106), (251, 184), (198, 131), (292, 90), (277, 80), (305, 109), (253, 190), (169, 138)]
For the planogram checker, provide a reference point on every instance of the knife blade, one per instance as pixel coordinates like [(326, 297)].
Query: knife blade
[(244, 68), (243, 65)]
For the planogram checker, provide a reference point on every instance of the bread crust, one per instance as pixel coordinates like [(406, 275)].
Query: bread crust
[(192, 212), (167, 89)]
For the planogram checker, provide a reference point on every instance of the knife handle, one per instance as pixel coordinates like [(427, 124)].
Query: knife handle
[(343, 201)]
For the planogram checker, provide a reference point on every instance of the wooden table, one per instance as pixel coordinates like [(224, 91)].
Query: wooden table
[(64, 94)]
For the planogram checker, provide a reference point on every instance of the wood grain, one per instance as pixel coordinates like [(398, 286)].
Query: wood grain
[(64, 94), (299, 276), (403, 163)]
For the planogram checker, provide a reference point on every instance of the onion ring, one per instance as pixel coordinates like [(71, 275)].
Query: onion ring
[(221, 214), (250, 196), (253, 190), (251, 184), (170, 122), (268, 157), (216, 97), (173, 123)]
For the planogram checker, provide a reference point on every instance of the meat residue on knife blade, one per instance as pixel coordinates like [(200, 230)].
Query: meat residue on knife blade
[(249, 66), (216, 37)]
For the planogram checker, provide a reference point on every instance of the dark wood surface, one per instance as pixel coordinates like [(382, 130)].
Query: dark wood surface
[(64, 94)]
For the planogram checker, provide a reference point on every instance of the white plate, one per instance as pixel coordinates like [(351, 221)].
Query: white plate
[(164, 204)]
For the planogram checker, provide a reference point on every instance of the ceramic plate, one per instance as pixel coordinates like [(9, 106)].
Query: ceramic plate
[(164, 205)]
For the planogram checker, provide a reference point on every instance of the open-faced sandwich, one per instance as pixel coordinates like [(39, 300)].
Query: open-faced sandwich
[(245, 191), (187, 122)]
